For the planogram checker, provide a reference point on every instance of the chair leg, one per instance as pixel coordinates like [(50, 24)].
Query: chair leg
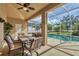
[(37, 53), (29, 53), (22, 51), (9, 52)]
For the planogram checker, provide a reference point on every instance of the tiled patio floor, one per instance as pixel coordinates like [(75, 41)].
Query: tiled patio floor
[(54, 48)]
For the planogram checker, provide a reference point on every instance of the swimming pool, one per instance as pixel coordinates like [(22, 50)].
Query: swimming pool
[(65, 38)]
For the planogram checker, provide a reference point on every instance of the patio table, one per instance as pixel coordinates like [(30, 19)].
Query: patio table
[(25, 40), (28, 40)]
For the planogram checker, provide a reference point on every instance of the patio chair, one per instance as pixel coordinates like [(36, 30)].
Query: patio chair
[(36, 34), (13, 46), (34, 45), (14, 41)]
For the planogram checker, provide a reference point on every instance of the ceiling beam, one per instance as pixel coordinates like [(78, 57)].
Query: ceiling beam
[(46, 8)]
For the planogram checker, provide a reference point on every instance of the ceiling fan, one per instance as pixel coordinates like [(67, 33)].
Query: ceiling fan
[(25, 6)]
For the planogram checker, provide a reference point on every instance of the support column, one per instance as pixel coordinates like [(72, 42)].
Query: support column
[(25, 27), (44, 28)]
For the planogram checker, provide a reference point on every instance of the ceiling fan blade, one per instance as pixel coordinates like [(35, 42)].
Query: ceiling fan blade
[(31, 8), (27, 10), (20, 8), (20, 4), (26, 4)]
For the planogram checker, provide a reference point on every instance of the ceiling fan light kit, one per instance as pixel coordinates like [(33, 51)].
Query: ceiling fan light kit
[(25, 8)]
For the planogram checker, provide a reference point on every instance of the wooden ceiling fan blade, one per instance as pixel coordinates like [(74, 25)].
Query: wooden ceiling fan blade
[(31, 8), (20, 8), (20, 4), (26, 4), (27, 10)]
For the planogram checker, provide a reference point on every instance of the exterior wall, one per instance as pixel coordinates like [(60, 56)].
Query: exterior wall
[(1, 35), (3, 16)]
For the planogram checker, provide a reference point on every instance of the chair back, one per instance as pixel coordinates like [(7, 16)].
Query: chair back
[(36, 43), (9, 42), (11, 37)]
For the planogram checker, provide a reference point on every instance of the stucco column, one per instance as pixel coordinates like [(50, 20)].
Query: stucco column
[(25, 27), (44, 27)]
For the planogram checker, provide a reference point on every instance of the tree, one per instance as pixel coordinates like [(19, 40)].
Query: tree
[(49, 27), (65, 23), (57, 28)]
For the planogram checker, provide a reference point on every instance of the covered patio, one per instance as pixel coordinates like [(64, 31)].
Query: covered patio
[(19, 20)]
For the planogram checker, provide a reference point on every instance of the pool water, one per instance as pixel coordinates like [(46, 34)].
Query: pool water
[(65, 38)]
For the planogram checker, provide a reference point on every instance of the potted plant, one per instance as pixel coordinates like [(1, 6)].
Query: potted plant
[(7, 27)]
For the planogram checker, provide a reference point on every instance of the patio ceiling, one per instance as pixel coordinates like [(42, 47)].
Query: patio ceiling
[(11, 11)]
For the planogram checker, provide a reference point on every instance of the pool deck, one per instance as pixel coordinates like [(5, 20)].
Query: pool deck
[(59, 48)]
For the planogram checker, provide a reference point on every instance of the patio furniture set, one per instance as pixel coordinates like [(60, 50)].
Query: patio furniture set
[(26, 45)]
